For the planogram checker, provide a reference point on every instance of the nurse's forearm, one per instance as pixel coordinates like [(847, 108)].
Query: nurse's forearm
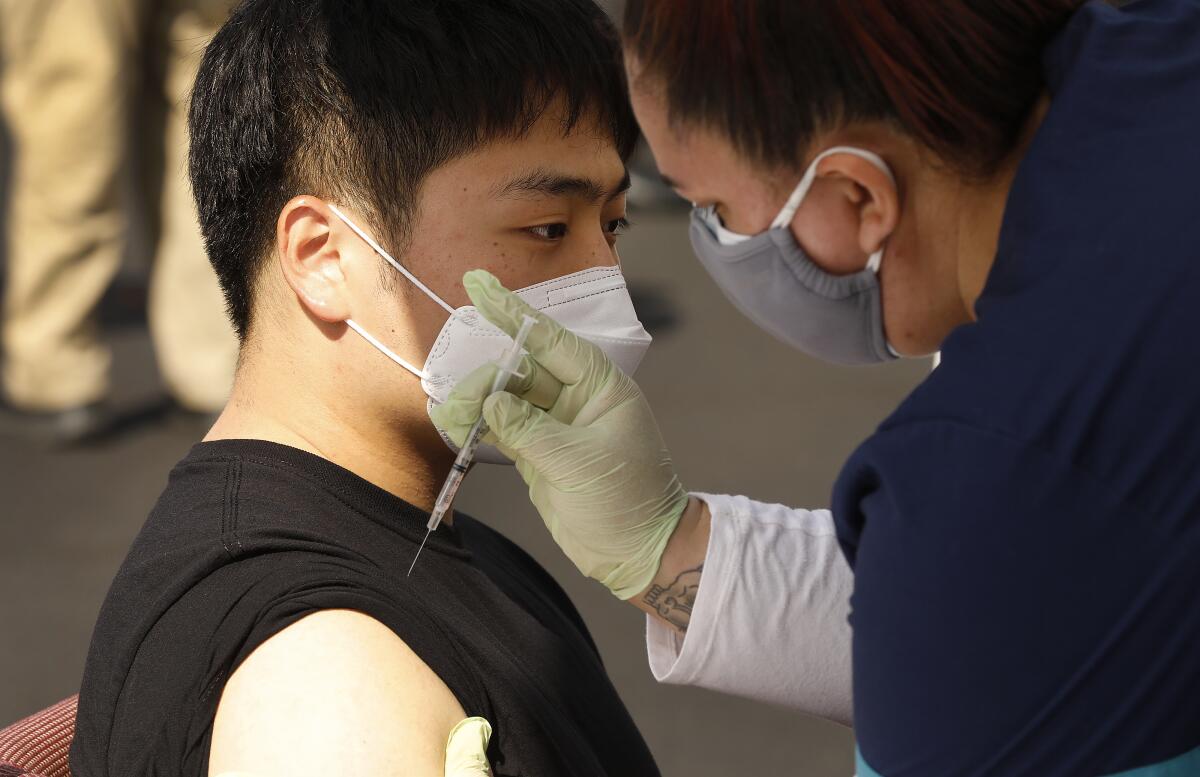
[(673, 593), (775, 586)]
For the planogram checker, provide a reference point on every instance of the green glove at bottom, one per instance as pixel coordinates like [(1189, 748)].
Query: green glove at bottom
[(583, 438), (466, 749)]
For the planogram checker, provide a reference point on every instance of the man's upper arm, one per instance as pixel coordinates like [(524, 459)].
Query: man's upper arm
[(334, 693)]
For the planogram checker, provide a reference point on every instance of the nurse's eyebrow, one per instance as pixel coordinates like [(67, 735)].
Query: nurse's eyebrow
[(548, 183)]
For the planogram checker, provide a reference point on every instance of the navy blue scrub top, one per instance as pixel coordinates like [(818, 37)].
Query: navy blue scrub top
[(1025, 528)]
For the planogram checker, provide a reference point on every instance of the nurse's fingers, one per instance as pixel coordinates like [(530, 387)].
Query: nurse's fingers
[(529, 436), (464, 406), (532, 383), (535, 384), (567, 356), (466, 749)]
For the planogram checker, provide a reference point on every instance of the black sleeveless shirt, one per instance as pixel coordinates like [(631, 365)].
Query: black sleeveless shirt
[(251, 536)]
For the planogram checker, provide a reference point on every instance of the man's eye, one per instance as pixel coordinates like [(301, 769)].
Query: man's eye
[(549, 231), (616, 226)]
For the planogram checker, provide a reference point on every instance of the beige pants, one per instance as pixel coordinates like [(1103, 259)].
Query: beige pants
[(70, 72)]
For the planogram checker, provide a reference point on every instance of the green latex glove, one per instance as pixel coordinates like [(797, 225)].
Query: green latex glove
[(466, 749), (584, 440)]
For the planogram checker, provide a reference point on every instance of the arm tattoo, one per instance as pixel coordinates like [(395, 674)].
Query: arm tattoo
[(673, 602)]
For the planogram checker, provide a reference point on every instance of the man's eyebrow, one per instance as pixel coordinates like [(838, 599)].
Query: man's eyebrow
[(548, 183)]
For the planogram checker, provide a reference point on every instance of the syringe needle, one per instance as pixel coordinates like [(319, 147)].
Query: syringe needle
[(414, 561), (462, 461)]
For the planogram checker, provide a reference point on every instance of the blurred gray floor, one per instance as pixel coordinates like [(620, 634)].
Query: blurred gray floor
[(740, 412)]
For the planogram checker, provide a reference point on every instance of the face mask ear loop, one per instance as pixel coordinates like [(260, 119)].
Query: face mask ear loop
[(788, 212), (801, 191), (388, 257), (384, 349), (875, 259)]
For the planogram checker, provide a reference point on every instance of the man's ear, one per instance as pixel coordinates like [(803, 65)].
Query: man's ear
[(851, 210), (310, 259)]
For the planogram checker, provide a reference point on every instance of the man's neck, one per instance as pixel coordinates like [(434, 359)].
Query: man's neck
[(401, 463)]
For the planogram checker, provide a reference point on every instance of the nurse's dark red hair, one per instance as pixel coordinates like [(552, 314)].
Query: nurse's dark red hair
[(959, 76)]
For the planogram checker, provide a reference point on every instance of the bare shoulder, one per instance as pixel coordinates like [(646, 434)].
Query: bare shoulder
[(337, 692)]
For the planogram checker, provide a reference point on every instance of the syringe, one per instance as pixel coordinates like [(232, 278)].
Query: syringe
[(507, 365)]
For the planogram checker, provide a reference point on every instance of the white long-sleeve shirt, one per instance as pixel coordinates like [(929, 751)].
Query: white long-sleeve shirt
[(769, 621)]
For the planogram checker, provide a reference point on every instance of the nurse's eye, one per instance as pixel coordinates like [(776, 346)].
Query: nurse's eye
[(548, 231)]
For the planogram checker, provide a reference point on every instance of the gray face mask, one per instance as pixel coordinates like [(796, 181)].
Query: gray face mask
[(769, 277)]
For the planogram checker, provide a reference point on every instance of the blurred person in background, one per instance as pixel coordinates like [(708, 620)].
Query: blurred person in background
[(70, 81)]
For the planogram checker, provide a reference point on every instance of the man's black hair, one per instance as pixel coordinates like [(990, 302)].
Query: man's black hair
[(357, 101)]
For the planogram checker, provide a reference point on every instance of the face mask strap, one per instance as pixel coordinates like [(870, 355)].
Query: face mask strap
[(388, 257), (874, 260), (788, 212), (384, 349)]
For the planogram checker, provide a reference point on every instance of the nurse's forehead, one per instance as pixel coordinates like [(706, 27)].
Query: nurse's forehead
[(690, 163), (706, 169), (691, 187)]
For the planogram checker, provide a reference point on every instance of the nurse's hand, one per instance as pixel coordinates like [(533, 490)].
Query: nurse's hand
[(466, 749), (583, 438)]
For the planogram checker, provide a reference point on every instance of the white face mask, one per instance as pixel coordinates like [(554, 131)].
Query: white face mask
[(593, 303)]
